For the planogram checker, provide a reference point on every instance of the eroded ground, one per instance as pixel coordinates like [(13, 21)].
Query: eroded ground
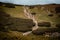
[(41, 16)]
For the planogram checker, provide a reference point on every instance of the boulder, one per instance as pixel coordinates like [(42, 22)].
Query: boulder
[(57, 9), (15, 24), (4, 18), (50, 15), (42, 31), (38, 32), (46, 24), (33, 13), (58, 25), (31, 7), (18, 24)]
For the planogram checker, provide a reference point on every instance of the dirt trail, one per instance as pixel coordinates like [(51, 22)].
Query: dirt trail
[(30, 16)]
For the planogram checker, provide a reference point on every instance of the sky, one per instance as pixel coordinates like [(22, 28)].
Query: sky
[(31, 2)]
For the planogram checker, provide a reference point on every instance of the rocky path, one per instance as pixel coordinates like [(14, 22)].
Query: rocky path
[(30, 16)]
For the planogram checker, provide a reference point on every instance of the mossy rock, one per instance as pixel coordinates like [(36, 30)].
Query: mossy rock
[(15, 24), (42, 31), (58, 25), (46, 24)]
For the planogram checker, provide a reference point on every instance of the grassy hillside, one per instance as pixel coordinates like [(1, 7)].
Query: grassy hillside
[(15, 12), (43, 12), (41, 16)]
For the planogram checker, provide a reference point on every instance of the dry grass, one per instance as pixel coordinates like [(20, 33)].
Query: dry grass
[(15, 12), (41, 15)]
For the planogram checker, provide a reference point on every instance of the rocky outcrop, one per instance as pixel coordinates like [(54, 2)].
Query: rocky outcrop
[(15, 24), (44, 24), (42, 31), (58, 25)]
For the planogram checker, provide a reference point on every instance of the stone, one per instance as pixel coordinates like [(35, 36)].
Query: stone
[(31, 7), (58, 25), (21, 25), (50, 15), (42, 31), (57, 9), (37, 32), (33, 13), (15, 24), (46, 24)]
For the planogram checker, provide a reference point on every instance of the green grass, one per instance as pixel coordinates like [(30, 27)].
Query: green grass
[(15, 12), (41, 15)]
